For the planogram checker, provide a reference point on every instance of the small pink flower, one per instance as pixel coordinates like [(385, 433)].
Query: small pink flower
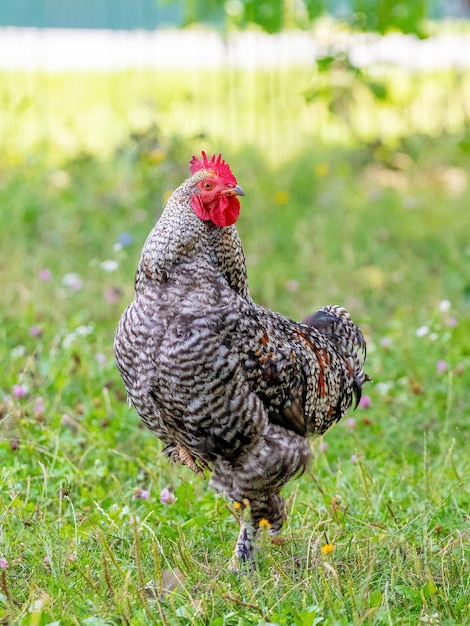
[(441, 366), (351, 423), (452, 322), (112, 295), (45, 274), (322, 446), (459, 369), (39, 408), (100, 358), (3, 563), (141, 494), (364, 402), (354, 458), (166, 497), (19, 391), (72, 557), (292, 285), (35, 331), (386, 343)]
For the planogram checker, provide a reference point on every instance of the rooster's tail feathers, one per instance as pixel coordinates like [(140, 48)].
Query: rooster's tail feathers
[(335, 323)]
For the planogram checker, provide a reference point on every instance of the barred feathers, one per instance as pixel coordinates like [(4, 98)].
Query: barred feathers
[(223, 382)]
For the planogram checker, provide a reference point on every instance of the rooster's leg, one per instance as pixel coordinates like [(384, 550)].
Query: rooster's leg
[(243, 557), (244, 547), (266, 512), (254, 481)]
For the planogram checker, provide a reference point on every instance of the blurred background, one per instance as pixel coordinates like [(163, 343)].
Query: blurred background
[(347, 122)]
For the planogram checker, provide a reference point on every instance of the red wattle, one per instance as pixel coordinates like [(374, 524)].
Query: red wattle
[(199, 209), (225, 212)]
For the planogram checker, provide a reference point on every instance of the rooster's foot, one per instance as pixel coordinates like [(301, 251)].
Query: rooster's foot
[(182, 455)]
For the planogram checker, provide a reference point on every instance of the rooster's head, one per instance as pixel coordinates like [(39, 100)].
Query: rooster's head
[(215, 191)]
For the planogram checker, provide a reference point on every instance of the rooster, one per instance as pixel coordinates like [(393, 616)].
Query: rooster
[(230, 387)]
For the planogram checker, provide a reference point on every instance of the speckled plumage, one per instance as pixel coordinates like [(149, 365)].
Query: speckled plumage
[(223, 382)]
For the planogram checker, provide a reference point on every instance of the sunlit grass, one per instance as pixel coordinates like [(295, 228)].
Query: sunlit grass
[(95, 112)]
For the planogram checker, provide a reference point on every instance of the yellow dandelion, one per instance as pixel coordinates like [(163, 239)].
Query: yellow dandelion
[(322, 169), (281, 197), (237, 506), (327, 548), (157, 155), (263, 523), (373, 276)]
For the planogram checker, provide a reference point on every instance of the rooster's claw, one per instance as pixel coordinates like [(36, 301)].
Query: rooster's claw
[(180, 454)]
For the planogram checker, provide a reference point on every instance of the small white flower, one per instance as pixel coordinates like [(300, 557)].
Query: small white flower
[(110, 265), (444, 306), (384, 387), (72, 281), (409, 202), (69, 339), (433, 618), (37, 605), (80, 331), (59, 179), (422, 331), (17, 352), (84, 330)]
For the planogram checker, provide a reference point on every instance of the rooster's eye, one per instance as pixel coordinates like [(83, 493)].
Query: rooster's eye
[(207, 185)]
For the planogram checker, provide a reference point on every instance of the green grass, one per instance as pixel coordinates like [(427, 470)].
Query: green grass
[(380, 227)]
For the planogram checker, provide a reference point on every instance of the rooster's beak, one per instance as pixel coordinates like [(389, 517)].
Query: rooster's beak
[(234, 191)]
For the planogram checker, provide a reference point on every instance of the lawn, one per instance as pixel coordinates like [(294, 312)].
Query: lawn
[(365, 204)]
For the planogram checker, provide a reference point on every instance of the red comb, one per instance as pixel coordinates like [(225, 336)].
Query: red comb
[(215, 163)]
